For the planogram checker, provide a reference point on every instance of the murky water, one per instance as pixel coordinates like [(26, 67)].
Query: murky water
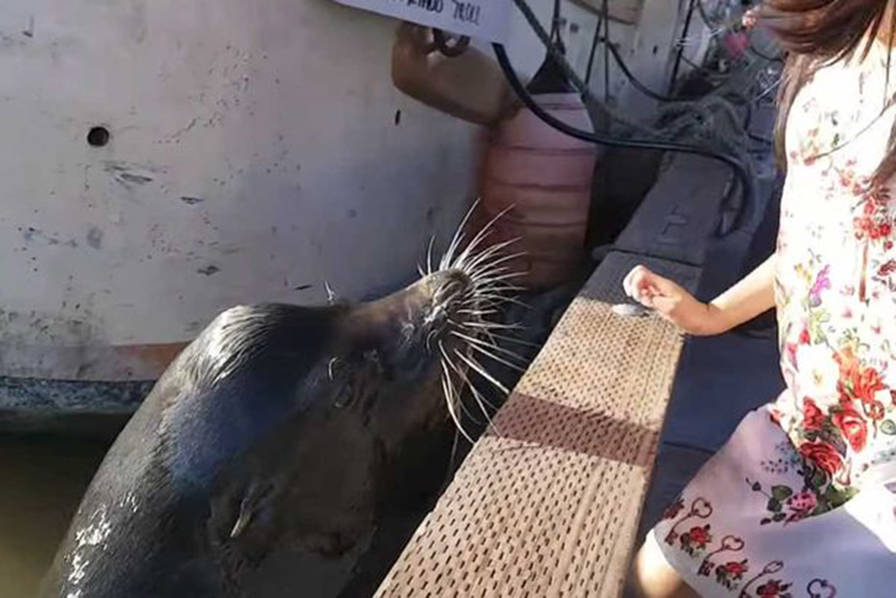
[(41, 483)]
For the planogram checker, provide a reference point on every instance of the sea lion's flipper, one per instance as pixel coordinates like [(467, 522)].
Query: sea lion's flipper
[(257, 506)]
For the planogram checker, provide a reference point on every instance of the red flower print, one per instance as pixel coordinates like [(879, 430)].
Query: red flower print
[(813, 418), (736, 569), (790, 351), (864, 381), (772, 589), (823, 455), (876, 410), (804, 337), (848, 363), (698, 537), (674, 509), (853, 428), (887, 268), (801, 505), (874, 222)]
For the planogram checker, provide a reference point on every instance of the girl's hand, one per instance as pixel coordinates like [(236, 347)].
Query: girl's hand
[(672, 302)]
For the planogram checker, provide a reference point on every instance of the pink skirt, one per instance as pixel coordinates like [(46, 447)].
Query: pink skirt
[(743, 526)]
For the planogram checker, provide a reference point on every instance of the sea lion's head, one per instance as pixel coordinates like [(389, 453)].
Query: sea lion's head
[(283, 428)]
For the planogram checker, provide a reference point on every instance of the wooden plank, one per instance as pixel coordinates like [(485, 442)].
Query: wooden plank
[(548, 504), (681, 213)]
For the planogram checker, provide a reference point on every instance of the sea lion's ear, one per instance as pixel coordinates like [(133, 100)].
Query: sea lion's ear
[(257, 505)]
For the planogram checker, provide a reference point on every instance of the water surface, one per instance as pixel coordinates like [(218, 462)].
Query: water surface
[(41, 482)]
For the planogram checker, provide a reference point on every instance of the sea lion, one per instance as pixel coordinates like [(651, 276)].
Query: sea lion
[(278, 426)]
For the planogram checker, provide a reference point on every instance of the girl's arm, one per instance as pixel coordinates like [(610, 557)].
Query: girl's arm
[(751, 296)]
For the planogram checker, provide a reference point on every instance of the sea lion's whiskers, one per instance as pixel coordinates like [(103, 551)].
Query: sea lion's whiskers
[(501, 288), (492, 271), (490, 252), (482, 402), (480, 236), (500, 300), (448, 257), (477, 367), (485, 267), (432, 240), (499, 255), (501, 360), (501, 277), (458, 397), (493, 325), (511, 339), (491, 346), (478, 312), (448, 390), (497, 270), (478, 396), (472, 388)]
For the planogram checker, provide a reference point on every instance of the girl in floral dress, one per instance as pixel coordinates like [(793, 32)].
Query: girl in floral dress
[(801, 501)]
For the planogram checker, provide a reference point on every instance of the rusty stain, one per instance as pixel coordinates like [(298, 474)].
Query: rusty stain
[(156, 356)]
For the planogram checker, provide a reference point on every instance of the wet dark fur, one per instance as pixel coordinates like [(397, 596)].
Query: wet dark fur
[(289, 419)]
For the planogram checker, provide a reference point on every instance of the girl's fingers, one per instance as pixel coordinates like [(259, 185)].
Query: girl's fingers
[(634, 281), (627, 281)]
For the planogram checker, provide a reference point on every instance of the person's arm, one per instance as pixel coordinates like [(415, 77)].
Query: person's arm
[(751, 296)]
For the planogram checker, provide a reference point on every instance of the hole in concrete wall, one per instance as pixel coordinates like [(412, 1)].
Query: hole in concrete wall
[(655, 50), (397, 117), (98, 136)]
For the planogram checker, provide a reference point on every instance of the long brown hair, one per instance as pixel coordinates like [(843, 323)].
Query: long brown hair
[(819, 32)]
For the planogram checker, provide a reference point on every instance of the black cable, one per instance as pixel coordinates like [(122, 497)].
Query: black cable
[(606, 12), (684, 35), (705, 17), (594, 43), (740, 171), (634, 80), (555, 20)]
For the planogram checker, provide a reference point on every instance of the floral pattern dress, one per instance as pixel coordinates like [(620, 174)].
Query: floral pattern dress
[(801, 501)]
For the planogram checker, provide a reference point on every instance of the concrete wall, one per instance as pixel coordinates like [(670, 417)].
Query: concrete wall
[(257, 149)]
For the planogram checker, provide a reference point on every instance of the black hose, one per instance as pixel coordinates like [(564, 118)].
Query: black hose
[(634, 80), (594, 43), (606, 13), (740, 171), (684, 35)]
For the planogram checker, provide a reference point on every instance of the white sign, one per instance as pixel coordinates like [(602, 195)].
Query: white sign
[(483, 19)]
